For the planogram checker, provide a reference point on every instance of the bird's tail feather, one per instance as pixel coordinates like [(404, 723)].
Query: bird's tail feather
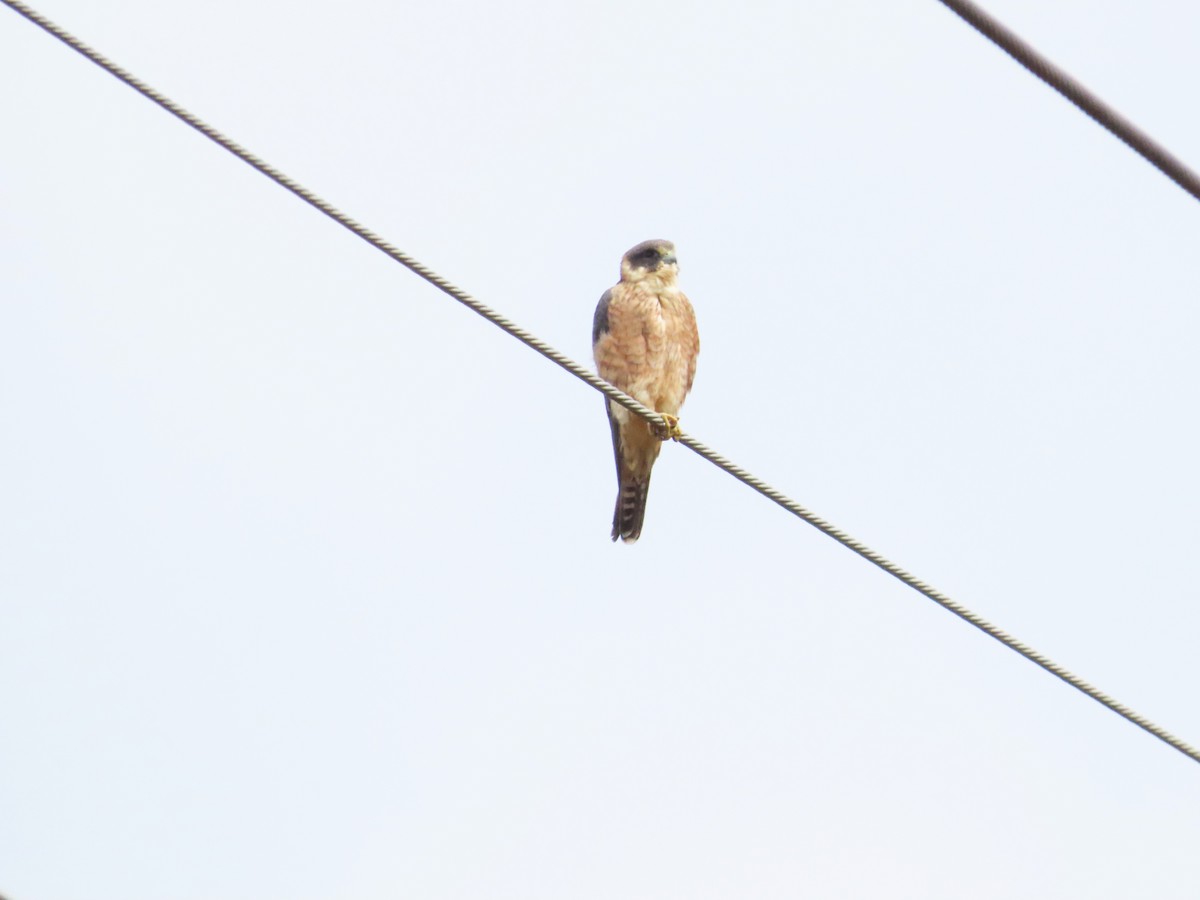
[(631, 507)]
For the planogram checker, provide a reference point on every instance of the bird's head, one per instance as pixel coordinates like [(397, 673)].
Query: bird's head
[(650, 260)]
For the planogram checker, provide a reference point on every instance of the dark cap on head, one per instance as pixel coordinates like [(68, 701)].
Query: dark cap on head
[(650, 255)]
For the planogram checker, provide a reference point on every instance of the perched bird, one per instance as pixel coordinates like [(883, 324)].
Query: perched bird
[(645, 342)]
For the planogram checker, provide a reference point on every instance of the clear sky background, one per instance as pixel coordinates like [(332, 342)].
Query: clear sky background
[(305, 582)]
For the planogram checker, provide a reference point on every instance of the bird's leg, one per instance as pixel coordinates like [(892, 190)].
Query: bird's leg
[(668, 429)]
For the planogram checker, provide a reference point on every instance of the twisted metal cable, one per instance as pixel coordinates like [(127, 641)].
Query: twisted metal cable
[(330, 210), (938, 597), (604, 387), (1150, 150)]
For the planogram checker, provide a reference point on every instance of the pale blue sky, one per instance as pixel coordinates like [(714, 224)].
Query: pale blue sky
[(306, 587)]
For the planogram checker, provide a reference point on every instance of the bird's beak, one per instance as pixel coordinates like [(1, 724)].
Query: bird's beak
[(669, 259)]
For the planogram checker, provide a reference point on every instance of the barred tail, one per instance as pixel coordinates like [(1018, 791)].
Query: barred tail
[(635, 448), (631, 507)]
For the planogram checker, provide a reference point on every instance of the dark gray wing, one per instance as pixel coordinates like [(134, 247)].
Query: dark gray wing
[(599, 327), (600, 320)]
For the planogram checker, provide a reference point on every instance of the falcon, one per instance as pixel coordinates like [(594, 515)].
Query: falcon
[(645, 342)]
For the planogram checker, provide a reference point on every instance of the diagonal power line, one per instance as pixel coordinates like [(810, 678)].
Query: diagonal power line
[(604, 387), (1012, 44)]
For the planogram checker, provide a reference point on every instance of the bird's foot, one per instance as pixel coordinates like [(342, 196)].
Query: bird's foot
[(668, 429)]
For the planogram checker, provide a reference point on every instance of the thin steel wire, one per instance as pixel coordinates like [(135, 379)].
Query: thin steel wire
[(1012, 44), (607, 389), (330, 210)]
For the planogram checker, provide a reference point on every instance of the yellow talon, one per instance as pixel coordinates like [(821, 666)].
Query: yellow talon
[(668, 429)]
